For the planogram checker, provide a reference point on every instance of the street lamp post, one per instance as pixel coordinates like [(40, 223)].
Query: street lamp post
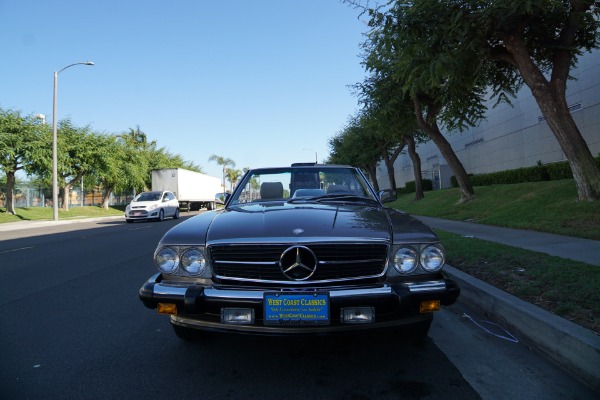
[(54, 141)]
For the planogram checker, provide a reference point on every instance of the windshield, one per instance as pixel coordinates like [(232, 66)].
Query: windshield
[(148, 196), (296, 183)]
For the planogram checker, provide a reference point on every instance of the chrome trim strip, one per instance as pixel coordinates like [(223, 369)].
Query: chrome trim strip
[(169, 290), (352, 262), (275, 263), (214, 293), (436, 286), (244, 294), (258, 294), (295, 240), (336, 280)]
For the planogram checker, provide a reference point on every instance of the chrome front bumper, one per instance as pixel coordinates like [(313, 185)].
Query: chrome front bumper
[(200, 306)]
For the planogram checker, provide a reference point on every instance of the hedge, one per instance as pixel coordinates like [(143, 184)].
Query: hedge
[(537, 173), (410, 187)]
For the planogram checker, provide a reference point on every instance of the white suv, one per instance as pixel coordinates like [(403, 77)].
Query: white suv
[(152, 205)]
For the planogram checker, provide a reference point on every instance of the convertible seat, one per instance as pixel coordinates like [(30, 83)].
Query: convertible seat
[(271, 190), (309, 192), (338, 189)]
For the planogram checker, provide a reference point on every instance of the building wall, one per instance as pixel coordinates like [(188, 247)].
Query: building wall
[(512, 137)]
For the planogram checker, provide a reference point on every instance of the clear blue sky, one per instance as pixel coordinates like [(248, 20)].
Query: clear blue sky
[(257, 81)]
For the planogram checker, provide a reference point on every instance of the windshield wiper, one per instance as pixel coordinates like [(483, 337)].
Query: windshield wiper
[(333, 197)]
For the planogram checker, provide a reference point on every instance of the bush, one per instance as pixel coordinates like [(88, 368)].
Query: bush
[(537, 173), (410, 187)]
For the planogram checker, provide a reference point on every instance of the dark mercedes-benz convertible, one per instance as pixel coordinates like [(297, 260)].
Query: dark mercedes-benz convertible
[(306, 249)]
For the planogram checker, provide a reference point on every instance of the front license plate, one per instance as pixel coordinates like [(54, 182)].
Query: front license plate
[(310, 308)]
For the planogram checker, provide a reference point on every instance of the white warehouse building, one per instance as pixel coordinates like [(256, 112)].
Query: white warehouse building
[(511, 136)]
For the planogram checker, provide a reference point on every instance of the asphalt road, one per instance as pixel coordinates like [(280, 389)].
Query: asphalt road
[(72, 327)]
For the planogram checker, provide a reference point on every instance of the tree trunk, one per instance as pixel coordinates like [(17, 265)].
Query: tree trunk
[(67, 190), (105, 199), (372, 168), (586, 171), (431, 129), (551, 98), (10, 190), (416, 161), (389, 166), (65, 194), (389, 163), (106, 192)]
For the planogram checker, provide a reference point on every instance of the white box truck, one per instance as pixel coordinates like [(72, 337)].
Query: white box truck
[(194, 190)]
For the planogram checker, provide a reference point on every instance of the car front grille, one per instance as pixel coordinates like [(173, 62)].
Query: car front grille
[(335, 261)]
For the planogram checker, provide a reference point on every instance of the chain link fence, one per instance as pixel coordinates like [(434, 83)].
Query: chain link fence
[(26, 195)]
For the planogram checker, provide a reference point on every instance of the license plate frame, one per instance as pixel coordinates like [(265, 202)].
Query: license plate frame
[(296, 308)]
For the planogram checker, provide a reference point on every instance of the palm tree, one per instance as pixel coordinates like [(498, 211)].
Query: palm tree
[(233, 175), (225, 162)]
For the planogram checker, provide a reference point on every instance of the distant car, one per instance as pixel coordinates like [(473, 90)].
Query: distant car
[(155, 205), (300, 250)]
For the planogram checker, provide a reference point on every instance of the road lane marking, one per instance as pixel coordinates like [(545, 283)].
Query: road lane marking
[(19, 249), (143, 227)]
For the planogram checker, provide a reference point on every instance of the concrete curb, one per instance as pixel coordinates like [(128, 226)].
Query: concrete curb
[(571, 346)]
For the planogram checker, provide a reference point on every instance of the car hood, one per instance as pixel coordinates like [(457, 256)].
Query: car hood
[(298, 223), (295, 222)]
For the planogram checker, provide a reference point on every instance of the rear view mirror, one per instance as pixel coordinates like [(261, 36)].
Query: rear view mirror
[(387, 196)]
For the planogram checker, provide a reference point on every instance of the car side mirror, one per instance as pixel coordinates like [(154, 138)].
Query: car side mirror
[(387, 196)]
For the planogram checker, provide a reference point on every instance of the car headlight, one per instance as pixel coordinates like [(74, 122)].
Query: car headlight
[(167, 260), (405, 260), (152, 206), (193, 261), (432, 258)]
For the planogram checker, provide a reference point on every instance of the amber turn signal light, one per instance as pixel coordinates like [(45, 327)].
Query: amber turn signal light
[(429, 306), (167, 308)]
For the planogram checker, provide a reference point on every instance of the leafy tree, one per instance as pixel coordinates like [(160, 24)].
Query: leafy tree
[(224, 162), (401, 52), (393, 118), (354, 146), (470, 49), (20, 143), (148, 156), (77, 154)]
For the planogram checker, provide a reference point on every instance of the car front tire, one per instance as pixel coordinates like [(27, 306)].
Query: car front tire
[(176, 215), (161, 215)]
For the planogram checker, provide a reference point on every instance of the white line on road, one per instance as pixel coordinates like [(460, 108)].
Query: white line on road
[(19, 249), (137, 229)]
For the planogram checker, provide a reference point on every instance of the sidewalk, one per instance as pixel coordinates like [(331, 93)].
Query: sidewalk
[(571, 346), (584, 250)]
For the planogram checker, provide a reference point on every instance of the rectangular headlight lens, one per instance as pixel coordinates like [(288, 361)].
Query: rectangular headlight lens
[(237, 316), (357, 315)]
